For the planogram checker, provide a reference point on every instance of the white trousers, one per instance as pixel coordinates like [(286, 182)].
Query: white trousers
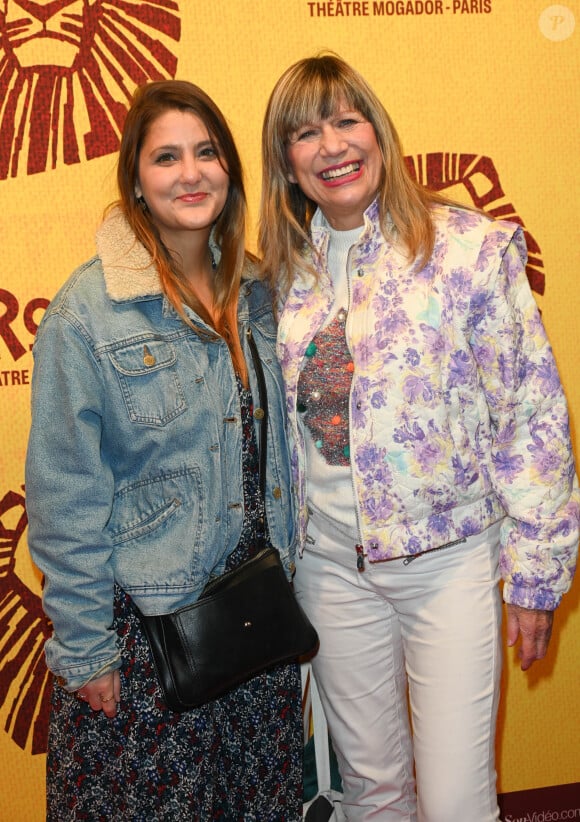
[(420, 639)]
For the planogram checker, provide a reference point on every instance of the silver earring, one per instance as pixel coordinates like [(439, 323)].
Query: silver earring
[(142, 203)]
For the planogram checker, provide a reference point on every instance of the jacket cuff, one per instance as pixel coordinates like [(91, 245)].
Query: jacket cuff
[(74, 678), (537, 599)]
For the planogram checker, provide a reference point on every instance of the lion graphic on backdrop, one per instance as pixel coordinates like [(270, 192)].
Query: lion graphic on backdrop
[(68, 69), (473, 178), (24, 680)]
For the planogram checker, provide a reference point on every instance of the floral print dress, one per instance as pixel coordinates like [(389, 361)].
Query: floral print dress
[(236, 758)]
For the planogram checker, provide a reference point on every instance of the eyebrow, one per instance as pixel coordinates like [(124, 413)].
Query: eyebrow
[(177, 147)]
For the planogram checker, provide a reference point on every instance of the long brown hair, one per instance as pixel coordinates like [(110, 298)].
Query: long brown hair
[(313, 89), (149, 102)]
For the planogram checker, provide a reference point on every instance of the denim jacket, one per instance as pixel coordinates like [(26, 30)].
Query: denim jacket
[(134, 464), (457, 416)]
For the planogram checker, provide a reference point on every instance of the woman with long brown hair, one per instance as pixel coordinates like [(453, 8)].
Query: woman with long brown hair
[(142, 483)]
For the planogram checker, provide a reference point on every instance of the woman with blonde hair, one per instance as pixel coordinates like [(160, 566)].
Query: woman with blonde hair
[(142, 482), (430, 448)]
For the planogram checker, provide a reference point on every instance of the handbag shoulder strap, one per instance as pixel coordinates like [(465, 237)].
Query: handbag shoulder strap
[(260, 413)]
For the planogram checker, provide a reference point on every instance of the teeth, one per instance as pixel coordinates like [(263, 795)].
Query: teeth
[(333, 173)]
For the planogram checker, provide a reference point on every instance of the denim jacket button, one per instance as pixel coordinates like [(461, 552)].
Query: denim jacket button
[(277, 492), (259, 413)]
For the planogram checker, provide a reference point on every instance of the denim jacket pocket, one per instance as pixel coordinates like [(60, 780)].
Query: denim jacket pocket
[(157, 526), (147, 374)]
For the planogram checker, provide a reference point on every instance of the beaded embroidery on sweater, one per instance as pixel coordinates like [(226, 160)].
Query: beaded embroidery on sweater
[(324, 390)]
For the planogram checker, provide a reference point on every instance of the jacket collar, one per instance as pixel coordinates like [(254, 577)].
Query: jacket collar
[(319, 225), (128, 268)]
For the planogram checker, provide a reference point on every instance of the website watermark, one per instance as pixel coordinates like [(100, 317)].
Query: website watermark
[(545, 816)]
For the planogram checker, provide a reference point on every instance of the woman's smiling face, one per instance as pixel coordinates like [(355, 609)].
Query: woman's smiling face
[(180, 176), (337, 163)]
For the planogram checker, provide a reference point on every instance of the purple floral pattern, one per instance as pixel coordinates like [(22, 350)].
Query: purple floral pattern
[(457, 415)]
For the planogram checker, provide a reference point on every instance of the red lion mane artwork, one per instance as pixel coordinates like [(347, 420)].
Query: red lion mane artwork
[(477, 178), (68, 69), (24, 679)]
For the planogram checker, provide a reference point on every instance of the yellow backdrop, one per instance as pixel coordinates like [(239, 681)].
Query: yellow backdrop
[(465, 79)]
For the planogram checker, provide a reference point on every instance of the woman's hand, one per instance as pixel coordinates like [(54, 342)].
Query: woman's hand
[(102, 693), (535, 628)]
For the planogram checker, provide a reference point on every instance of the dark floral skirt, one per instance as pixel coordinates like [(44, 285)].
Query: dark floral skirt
[(236, 758)]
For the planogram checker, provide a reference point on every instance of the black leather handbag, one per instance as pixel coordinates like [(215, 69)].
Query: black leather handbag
[(245, 621)]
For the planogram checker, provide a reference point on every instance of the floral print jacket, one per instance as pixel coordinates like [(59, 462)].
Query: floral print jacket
[(457, 415)]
